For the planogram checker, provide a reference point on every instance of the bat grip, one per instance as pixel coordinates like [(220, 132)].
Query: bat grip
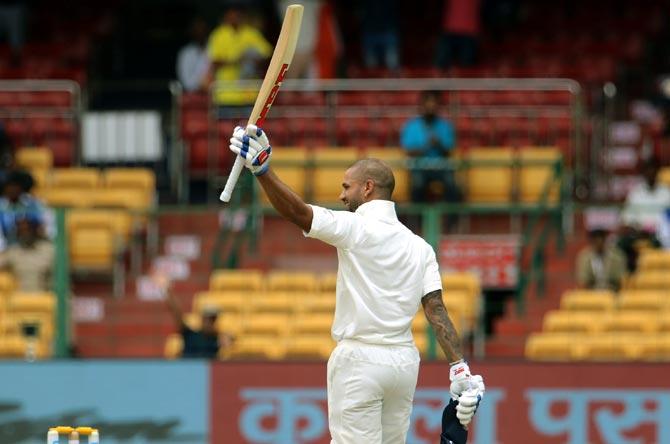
[(232, 179)]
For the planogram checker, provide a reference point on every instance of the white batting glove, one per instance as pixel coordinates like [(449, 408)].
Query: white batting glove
[(459, 375), (469, 400), (252, 145)]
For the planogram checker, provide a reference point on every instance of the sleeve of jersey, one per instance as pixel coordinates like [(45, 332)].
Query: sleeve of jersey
[(432, 280), (336, 228)]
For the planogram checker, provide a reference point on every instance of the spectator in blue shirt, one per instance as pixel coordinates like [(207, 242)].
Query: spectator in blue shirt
[(428, 138)]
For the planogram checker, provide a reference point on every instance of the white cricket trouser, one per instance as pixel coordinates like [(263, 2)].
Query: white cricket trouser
[(370, 392)]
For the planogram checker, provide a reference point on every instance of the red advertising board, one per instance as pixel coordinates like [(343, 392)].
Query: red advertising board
[(524, 403), (494, 259)]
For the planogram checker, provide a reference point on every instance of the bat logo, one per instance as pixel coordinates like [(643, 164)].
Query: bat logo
[(272, 95)]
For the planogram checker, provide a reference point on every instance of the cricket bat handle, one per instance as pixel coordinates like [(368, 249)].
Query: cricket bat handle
[(232, 179)]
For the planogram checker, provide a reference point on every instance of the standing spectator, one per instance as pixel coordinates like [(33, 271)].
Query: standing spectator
[(16, 202), (235, 49), (192, 60), (380, 33), (31, 258), (600, 266), (12, 23), (646, 203), (426, 138), (460, 31)]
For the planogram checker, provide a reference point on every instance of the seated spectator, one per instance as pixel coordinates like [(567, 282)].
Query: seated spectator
[(16, 201), (429, 139), (600, 266), (235, 50), (31, 258), (204, 342), (192, 60)]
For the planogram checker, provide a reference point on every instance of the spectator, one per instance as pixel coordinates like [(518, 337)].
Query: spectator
[(31, 258), (428, 138), (460, 31), (6, 156), (380, 33), (235, 50), (646, 203), (600, 266), (192, 60), (204, 342), (16, 202), (12, 24)]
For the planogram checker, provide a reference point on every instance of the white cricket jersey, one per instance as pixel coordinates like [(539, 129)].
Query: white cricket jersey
[(384, 271)]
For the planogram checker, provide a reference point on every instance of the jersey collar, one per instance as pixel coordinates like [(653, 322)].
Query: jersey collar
[(378, 209)]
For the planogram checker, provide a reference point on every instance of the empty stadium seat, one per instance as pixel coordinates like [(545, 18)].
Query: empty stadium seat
[(607, 347), (588, 300), (489, 175), (117, 221), (140, 179), (549, 346), (223, 301), (317, 303), (227, 280), (272, 302), (651, 280), (655, 347), (316, 347), (631, 322), (87, 178), (664, 176), (561, 321), (128, 198), (654, 260), (313, 323), (13, 346), (34, 158), (534, 177), (328, 282), (7, 282), (396, 158), (258, 347), (271, 324), (40, 302), (330, 165), (651, 300), (93, 248), (291, 165), (291, 280), (66, 197)]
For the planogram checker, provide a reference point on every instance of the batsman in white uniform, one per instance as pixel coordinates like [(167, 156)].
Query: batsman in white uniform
[(385, 273)]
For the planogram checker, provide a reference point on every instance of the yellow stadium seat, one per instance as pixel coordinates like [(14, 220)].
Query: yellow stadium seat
[(534, 177), (193, 320), (315, 347), (138, 178), (549, 346), (607, 347), (88, 178), (654, 260), (489, 176), (42, 320), (251, 346), (66, 197), (174, 345), (274, 302), (8, 326), (128, 198), (328, 282), (117, 221), (291, 280), (560, 321), (226, 280), (651, 280), (223, 301), (588, 300), (291, 165), (92, 248), (31, 158), (40, 302), (274, 324), (664, 321), (652, 300), (631, 322), (664, 176), (329, 168), (317, 303), (655, 347), (231, 323), (40, 176), (464, 281), (313, 324), (7, 282), (397, 160), (12, 347)]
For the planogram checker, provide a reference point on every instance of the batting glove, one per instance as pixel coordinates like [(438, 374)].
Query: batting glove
[(253, 146), (469, 400), (459, 375)]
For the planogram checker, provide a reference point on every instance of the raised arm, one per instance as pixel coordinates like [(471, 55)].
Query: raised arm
[(252, 144), (445, 332)]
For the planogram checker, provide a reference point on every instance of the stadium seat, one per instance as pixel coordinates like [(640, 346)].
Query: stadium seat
[(561, 321), (271, 324), (607, 347), (651, 280), (664, 321), (117, 221), (223, 301), (93, 249), (272, 302), (174, 345), (396, 158), (309, 347), (317, 303), (291, 280), (231, 323), (655, 348), (128, 198), (40, 302), (141, 179), (13, 346), (7, 282), (330, 165), (86, 178), (643, 300), (654, 260), (328, 282), (631, 322), (291, 164), (34, 158), (588, 300), (549, 346), (534, 178), (489, 176), (227, 280), (66, 197), (313, 323), (255, 347), (663, 176)]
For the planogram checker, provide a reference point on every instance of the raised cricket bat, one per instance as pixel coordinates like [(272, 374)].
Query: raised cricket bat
[(281, 59)]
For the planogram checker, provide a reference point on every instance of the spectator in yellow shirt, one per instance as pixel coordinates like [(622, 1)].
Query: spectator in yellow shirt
[(235, 49)]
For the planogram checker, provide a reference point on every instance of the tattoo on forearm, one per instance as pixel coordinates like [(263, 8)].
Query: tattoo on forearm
[(445, 332)]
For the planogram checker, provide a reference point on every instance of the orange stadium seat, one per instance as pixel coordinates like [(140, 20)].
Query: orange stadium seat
[(489, 176), (226, 280), (88, 178), (291, 164), (396, 158), (330, 165), (534, 178)]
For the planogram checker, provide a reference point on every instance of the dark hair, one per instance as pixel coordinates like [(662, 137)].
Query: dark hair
[(597, 233), (21, 178)]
